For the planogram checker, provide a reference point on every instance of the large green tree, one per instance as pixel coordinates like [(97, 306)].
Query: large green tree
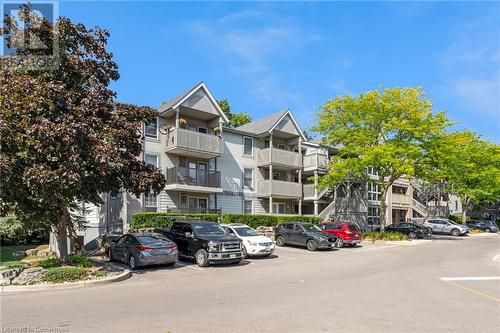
[(63, 138), (235, 119), (387, 130), (468, 167)]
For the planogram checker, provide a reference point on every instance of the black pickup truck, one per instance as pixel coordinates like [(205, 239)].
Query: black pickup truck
[(204, 241)]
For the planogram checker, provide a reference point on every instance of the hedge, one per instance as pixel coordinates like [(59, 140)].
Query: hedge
[(161, 220), (255, 221)]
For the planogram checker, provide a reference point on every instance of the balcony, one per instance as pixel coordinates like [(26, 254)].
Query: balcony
[(279, 189), (315, 161), (402, 200), (278, 157), (190, 143), (193, 180)]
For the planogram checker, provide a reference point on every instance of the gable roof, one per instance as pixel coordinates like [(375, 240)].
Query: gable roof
[(267, 124), (181, 98)]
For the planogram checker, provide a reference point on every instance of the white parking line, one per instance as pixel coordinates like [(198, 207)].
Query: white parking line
[(189, 266), (471, 278), (378, 248), (285, 257)]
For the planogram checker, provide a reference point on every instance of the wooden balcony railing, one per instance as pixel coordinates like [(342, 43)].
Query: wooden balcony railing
[(280, 157), (279, 188)]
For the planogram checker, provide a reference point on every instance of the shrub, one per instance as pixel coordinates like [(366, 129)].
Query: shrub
[(81, 261), (255, 221), (50, 263), (13, 264), (390, 236), (16, 232), (476, 231), (161, 220), (64, 274)]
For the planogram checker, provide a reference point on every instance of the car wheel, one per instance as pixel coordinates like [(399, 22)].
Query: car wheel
[(412, 235), (487, 230), (312, 245), (280, 240), (132, 262), (244, 250), (339, 243), (455, 232), (202, 258)]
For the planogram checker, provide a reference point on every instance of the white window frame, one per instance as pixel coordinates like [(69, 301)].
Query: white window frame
[(157, 165), (251, 139), (244, 206), (157, 129), (251, 179), (373, 188), (146, 204)]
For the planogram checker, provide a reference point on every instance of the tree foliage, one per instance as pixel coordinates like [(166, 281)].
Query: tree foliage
[(63, 138), (235, 119), (387, 130), (468, 166)]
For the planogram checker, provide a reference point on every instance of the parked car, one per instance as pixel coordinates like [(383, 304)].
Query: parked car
[(303, 234), (487, 226), (204, 241), (446, 226), (346, 233), (141, 249), (254, 245), (411, 230)]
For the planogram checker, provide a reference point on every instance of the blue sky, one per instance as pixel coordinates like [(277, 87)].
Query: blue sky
[(264, 57)]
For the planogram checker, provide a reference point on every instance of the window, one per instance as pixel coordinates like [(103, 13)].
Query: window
[(248, 178), (372, 171), (288, 226), (248, 207), (279, 208), (276, 176), (281, 146), (151, 159), (177, 227), (398, 190), (247, 146), (150, 202), (151, 129), (202, 130), (183, 198), (192, 127), (373, 191), (373, 215), (456, 204), (266, 144)]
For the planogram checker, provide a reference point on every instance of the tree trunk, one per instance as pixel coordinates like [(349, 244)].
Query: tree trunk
[(464, 209), (464, 216), (62, 236), (383, 208)]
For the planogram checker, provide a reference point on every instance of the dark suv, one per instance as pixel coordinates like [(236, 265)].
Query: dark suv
[(303, 234), (204, 241)]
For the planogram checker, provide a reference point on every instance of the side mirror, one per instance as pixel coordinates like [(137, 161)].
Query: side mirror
[(188, 235)]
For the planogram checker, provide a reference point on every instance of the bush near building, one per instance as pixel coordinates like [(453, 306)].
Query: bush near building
[(142, 220)]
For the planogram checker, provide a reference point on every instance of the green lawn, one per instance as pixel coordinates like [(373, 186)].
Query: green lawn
[(6, 251)]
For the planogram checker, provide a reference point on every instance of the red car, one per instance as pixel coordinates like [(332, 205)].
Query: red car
[(347, 233)]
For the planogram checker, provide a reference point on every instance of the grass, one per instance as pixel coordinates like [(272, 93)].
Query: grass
[(390, 236), (6, 252), (13, 264), (64, 274), (101, 273)]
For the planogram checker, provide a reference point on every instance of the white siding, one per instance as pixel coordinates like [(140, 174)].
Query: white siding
[(230, 203)]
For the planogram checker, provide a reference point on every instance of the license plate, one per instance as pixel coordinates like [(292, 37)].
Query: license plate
[(232, 256), (162, 251)]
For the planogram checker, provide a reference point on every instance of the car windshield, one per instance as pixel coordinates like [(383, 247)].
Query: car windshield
[(245, 232), (151, 239), (206, 228), (310, 227)]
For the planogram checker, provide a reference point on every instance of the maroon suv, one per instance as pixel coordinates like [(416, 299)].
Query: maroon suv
[(347, 233)]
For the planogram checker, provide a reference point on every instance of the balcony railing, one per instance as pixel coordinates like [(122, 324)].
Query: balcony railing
[(401, 199), (308, 190), (316, 161), (280, 157), (279, 188), (193, 177), (184, 140)]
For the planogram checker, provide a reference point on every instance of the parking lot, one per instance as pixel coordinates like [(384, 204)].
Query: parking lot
[(449, 284)]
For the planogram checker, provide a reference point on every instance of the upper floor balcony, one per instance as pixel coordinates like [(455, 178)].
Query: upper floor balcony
[(316, 161), (278, 157), (196, 144), (402, 200), (193, 180), (279, 189)]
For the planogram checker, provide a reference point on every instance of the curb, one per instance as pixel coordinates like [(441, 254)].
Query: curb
[(68, 285), (483, 234), (402, 242)]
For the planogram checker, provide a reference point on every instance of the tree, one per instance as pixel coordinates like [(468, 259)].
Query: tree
[(235, 119), (64, 140), (386, 130), (468, 166)]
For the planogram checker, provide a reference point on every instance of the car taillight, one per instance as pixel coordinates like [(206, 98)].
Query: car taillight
[(173, 246), (144, 248)]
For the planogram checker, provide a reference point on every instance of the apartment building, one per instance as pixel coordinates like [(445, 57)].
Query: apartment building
[(264, 167)]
